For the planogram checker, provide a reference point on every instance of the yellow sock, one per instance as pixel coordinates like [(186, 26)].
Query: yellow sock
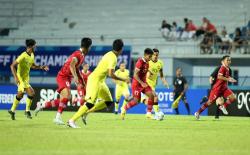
[(28, 104), (124, 103), (156, 108), (82, 110), (14, 105)]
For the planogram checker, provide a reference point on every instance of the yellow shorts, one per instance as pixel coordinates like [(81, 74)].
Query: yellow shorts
[(97, 89), (23, 85), (121, 91)]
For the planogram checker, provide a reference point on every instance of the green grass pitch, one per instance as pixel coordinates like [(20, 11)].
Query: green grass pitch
[(106, 134)]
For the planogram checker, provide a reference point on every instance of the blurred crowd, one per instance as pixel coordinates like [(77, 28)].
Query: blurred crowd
[(211, 41)]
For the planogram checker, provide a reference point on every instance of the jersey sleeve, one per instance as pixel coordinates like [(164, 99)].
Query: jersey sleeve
[(222, 71), (116, 72), (77, 55), (112, 62), (20, 58), (138, 64), (184, 80)]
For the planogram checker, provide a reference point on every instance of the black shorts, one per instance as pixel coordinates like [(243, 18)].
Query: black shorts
[(176, 95)]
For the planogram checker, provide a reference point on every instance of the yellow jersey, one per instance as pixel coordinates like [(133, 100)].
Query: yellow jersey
[(154, 69), (123, 74), (25, 61), (108, 61)]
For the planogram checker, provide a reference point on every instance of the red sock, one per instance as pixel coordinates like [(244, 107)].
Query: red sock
[(82, 101), (150, 105), (56, 103), (202, 108), (228, 102), (62, 105), (130, 104), (48, 105)]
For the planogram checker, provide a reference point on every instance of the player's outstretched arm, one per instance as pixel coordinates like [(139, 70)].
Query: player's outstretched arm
[(45, 68), (230, 79), (13, 70)]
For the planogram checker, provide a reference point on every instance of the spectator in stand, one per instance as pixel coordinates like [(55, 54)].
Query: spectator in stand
[(206, 44), (226, 44), (238, 40), (176, 31), (165, 29), (189, 31), (206, 27)]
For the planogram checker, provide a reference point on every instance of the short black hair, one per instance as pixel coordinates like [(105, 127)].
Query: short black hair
[(148, 51), (156, 50), (178, 68), (224, 57), (86, 42), (30, 42), (118, 44)]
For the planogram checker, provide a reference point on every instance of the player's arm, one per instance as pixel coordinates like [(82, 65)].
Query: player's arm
[(34, 66), (80, 78), (136, 76), (164, 81), (229, 79), (13, 70), (185, 85), (73, 69), (114, 77)]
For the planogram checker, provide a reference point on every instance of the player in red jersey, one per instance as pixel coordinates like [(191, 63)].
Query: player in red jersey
[(79, 97), (139, 84), (70, 70), (220, 88)]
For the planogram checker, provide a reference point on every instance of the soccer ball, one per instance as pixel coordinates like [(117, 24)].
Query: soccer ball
[(159, 116), (219, 101)]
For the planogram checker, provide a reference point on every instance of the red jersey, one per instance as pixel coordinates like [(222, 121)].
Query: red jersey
[(191, 27), (85, 75), (221, 84), (143, 65), (211, 27), (65, 70)]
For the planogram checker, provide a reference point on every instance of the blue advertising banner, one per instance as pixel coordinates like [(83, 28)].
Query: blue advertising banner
[(166, 98), (55, 56), (7, 95)]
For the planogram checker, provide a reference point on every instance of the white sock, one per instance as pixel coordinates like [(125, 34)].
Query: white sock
[(58, 115)]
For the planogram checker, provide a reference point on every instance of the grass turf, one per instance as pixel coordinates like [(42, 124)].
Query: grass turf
[(106, 134)]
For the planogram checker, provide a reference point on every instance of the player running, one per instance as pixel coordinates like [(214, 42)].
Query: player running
[(121, 88), (140, 85), (220, 88), (96, 86), (155, 68), (22, 64), (71, 69)]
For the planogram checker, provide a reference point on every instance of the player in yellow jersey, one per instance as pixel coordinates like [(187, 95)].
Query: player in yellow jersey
[(121, 88), (155, 68), (96, 86), (24, 62)]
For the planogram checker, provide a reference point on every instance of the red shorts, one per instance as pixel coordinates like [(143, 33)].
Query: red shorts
[(215, 93), (138, 89), (81, 91), (63, 82)]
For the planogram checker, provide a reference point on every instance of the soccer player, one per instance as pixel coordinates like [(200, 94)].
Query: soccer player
[(121, 88), (96, 86), (220, 88), (71, 68), (140, 85), (212, 80), (155, 68), (22, 64), (180, 88)]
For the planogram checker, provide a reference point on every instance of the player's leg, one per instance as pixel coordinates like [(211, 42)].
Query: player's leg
[(184, 99), (212, 97), (127, 96), (136, 92), (176, 95), (91, 96), (150, 94), (81, 92), (118, 94), (31, 93), (230, 96), (46, 105), (17, 99)]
